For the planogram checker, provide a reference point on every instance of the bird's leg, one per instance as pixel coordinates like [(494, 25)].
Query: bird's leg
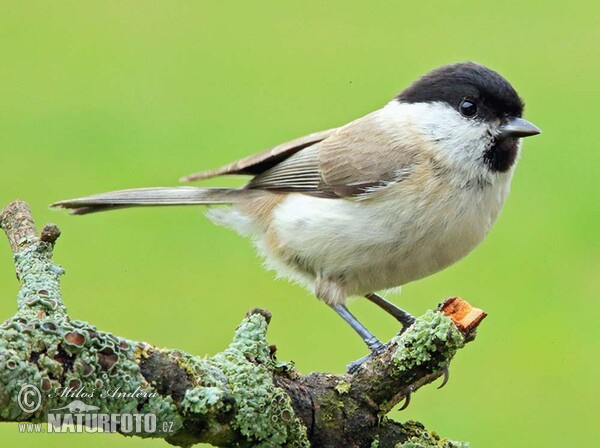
[(372, 342), (404, 317)]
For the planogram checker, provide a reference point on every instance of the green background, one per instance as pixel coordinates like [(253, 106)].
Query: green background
[(97, 96)]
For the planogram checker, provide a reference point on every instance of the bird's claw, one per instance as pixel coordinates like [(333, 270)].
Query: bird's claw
[(446, 377), (409, 392), (376, 350)]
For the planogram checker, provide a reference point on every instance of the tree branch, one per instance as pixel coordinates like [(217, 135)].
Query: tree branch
[(242, 396)]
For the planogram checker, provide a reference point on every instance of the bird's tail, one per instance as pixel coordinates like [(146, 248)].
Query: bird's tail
[(141, 197)]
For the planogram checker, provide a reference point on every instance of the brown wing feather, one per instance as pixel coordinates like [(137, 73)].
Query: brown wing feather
[(359, 158), (299, 172), (262, 161)]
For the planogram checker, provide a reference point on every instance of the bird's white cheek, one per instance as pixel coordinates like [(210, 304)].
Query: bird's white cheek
[(458, 141)]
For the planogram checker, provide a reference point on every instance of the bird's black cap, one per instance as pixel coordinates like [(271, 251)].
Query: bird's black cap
[(455, 82)]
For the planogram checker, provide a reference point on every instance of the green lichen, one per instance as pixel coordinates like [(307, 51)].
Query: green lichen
[(250, 339), (430, 333), (166, 412), (104, 374), (331, 411), (40, 281), (263, 412), (343, 387), (419, 437), (68, 359), (202, 400)]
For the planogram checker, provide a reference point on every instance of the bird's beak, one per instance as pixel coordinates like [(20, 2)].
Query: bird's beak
[(517, 127)]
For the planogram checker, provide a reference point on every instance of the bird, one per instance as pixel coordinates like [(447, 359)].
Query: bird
[(389, 198)]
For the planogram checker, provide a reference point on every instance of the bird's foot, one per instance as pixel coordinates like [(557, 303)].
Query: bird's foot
[(377, 348), (407, 320)]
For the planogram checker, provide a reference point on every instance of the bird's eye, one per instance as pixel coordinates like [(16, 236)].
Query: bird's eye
[(467, 108)]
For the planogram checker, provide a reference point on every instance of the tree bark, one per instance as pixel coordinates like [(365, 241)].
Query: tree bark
[(242, 396)]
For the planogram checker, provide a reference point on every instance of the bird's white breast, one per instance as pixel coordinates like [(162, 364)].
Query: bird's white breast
[(387, 242)]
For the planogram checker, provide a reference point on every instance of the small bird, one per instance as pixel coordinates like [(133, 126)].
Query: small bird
[(392, 197)]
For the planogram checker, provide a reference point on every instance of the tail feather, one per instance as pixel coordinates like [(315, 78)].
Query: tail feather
[(140, 197)]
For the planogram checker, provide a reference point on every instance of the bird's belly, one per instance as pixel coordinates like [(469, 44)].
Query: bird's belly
[(368, 246), (441, 246)]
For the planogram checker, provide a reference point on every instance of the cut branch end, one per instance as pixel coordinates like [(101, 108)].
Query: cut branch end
[(465, 316)]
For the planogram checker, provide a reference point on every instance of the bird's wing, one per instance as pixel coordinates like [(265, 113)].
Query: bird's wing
[(357, 159), (262, 161)]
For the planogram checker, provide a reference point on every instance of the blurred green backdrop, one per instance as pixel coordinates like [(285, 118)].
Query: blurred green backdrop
[(96, 96)]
